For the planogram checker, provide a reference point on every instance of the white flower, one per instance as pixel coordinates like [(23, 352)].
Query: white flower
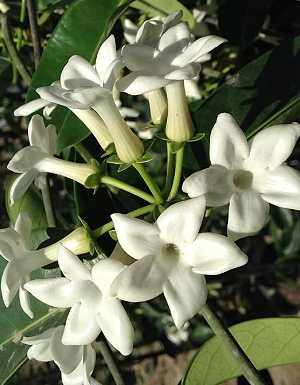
[(15, 247), (87, 293), (76, 362), (38, 158), (172, 258), (248, 176), (164, 52)]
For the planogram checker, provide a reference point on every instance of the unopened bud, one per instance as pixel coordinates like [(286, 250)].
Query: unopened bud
[(158, 105)]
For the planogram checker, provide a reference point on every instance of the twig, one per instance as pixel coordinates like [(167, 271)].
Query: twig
[(36, 42), (7, 37)]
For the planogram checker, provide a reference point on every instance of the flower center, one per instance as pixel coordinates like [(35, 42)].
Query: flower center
[(169, 256), (242, 179)]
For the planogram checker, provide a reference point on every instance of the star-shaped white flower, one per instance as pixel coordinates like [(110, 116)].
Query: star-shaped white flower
[(76, 362), (163, 53), (172, 258), (248, 176), (38, 158), (15, 248), (87, 293)]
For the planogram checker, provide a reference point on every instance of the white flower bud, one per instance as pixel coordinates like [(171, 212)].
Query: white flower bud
[(158, 105)]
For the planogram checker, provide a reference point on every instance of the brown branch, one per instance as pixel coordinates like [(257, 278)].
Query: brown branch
[(36, 42)]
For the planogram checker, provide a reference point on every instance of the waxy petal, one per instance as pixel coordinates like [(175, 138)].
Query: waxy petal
[(185, 292), (138, 57), (40, 352), (180, 223), (31, 107), (228, 144), (280, 187), (71, 266), (213, 182), (21, 184), (58, 95), (213, 254), (25, 302), (138, 238), (141, 281), (107, 55), (81, 326), (77, 73), (149, 33), (248, 214), (137, 83), (104, 273), (273, 145), (42, 136), (197, 49), (187, 72), (26, 159), (116, 326), (175, 39)]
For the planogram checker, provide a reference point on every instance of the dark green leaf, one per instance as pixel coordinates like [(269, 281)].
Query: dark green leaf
[(267, 342)]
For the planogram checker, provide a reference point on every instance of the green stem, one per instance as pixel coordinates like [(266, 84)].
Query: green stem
[(22, 18), (110, 181), (267, 122), (152, 186), (47, 202), (132, 214), (109, 360), (248, 369), (177, 175), (11, 49), (83, 152), (170, 168)]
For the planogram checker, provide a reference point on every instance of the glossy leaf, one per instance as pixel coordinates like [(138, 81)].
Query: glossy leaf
[(163, 8), (80, 31), (267, 342)]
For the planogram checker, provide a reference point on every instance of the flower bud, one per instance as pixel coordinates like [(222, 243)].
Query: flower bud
[(77, 241), (158, 105), (179, 126), (128, 146)]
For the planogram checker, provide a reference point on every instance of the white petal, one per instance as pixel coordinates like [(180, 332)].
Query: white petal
[(185, 292), (213, 182), (175, 38), (247, 215), (138, 57), (26, 159), (58, 95), (138, 238), (116, 326), (71, 266), (55, 292), (24, 298), (228, 144), (106, 55), (149, 32), (187, 72), (197, 49), (280, 187), (66, 357), (78, 72), (10, 283), (172, 19), (141, 281), (88, 96), (21, 184), (41, 136), (47, 111), (213, 254), (104, 273), (81, 326), (130, 30), (40, 352), (137, 83), (181, 221), (40, 338), (273, 145), (31, 107)]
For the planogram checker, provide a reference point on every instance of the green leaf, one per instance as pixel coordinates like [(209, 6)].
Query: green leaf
[(267, 342), (15, 324), (114, 159), (80, 31), (256, 93), (163, 8)]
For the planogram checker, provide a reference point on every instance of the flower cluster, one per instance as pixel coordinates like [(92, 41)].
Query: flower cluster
[(170, 256)]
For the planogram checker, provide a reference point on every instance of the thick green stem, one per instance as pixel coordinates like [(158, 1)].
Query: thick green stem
[(248, 369), (110, 362), (177, 175), (47, 202), (22, 18), (132, 214), (7, 37), (170, 168), (110, 181), (149, 182)]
